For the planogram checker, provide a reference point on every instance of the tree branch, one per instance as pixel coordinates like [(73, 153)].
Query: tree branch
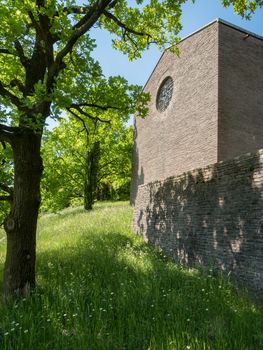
[(83, 26), (3, 144), (81, 10), (7, 133), (33, 21), (20, 53), (77, 107), (107, 174), (94, 105), (70, 174), (123, 25), (6, 198), (6, 189), (18, 84), (79, 118), (78, 10), (6, 51), (107, 163), (133, 43), (15, 100)]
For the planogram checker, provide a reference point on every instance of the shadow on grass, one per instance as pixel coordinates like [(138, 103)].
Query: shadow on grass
[(128, 297), (210, 216), (114, 292)]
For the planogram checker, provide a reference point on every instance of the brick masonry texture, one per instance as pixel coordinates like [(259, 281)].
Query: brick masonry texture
[(211, 216), (216, 111), (167, 143), (240, 101)]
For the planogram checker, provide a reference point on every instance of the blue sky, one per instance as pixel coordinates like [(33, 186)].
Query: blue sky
[(194, 16)]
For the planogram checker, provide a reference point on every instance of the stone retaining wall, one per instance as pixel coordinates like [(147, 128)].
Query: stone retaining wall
[(209, 216)]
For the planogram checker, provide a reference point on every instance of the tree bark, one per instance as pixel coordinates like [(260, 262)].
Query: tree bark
[(21, 223), (91, 171)]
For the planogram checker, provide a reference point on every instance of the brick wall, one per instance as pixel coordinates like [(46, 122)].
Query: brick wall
[(209, 216), (184, 136), (240, 96), (216, 111)]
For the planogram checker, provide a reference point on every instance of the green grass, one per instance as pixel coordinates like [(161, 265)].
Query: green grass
[(101, 287)]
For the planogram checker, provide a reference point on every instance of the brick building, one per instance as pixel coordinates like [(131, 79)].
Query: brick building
[(206, 105), (198, 193)]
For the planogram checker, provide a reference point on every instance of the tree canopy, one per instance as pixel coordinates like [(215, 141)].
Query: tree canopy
[(65, 152), (245, 8), (46, 67)]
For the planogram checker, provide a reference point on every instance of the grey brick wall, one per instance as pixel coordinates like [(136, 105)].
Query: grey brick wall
[(211, 216), (184, 136), (240, 93), (216, 111)]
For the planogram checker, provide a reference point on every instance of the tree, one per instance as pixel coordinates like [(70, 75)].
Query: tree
[(91, 174), (245, 8), (46, 66), (6, 174), (67, 153)]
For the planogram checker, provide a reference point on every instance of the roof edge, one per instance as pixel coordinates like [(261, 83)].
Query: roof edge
[(218, 20), (243, 30)]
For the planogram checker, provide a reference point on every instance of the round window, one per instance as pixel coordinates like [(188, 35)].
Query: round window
[(164, 94)]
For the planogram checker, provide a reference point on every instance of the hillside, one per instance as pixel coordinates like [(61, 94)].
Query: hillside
[(100, 287)]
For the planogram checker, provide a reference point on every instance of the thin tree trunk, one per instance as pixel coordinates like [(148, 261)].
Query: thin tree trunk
[(91, 171), (20, 225)]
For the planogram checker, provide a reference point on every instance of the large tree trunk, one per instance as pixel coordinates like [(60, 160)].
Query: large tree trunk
[(20, 225), (91, 171)]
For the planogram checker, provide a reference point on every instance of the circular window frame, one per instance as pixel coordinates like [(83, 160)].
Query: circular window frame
[(166, 84)]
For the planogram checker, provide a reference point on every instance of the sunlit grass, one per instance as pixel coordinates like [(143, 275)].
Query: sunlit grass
[(101, 287)]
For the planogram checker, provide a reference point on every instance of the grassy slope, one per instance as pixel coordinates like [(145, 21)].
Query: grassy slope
[(101, 287)]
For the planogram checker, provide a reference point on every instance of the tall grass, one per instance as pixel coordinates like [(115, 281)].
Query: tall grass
[(100, 287)]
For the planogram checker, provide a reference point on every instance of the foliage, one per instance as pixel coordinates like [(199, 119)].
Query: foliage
[(245, 8), (65, 150), (46, 67), (101, 287), (67, 73)]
